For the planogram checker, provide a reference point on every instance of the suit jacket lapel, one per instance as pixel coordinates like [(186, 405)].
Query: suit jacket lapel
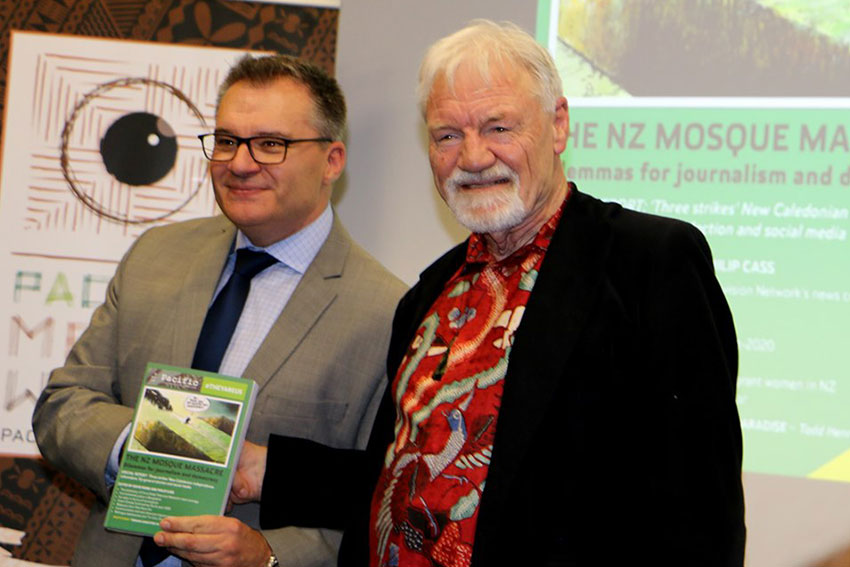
[(314, 293), (556, 313), (201, 277)]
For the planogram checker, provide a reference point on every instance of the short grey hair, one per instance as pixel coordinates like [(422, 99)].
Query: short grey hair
[(483, 43), (328, 100)]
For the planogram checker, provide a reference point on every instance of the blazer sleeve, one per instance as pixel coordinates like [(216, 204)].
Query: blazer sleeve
[(79, 414), (308, 484)]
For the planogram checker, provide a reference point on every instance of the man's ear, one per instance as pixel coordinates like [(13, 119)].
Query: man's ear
[(561, 125), (336, 162)]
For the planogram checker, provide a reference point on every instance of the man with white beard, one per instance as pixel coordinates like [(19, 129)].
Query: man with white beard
[(562, 383)]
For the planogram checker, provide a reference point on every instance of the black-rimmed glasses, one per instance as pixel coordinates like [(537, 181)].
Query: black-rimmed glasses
[(266, 150)]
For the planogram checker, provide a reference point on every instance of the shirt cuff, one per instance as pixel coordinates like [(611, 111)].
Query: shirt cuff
[(114, 457)]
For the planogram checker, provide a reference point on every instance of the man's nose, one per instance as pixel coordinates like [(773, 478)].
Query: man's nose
[(475, 154), (242, 161)]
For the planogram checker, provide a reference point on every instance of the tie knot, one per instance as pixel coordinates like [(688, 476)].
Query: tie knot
[(249, 262)]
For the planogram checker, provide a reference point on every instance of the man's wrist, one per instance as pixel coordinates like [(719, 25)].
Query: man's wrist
[(272, 560)]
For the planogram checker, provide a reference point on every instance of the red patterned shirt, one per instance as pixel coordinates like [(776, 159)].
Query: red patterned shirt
[(447, 393)]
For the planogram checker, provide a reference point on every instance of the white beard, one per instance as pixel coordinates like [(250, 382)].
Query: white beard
[(495, 209)]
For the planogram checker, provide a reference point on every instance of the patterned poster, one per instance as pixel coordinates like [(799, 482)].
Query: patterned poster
[(103, 103), (100, 144), (78, 79)]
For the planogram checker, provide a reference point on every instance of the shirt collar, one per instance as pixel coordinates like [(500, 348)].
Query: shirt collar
[(296, 250)]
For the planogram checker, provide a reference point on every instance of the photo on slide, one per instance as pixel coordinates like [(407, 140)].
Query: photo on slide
[(762, 48)]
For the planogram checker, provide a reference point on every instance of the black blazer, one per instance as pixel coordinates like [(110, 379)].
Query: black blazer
[(618, 438)]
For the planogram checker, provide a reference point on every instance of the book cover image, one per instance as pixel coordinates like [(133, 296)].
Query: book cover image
[(183, 447), (180, 424)]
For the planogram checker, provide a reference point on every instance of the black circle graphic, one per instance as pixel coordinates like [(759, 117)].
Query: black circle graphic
[(139, 148), (148, 142)]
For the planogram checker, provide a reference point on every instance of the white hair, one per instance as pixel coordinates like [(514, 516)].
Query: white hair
[(483, 43)]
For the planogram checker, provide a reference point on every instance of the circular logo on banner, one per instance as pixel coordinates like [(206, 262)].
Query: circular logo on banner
[(130, 152)]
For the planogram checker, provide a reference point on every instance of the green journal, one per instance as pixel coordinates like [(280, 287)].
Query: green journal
[(183, 447)]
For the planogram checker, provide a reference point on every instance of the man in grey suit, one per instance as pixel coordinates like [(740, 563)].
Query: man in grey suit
[(313, 332)]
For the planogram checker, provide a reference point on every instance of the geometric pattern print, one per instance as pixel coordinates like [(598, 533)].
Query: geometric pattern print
[(48, 505), (307, 32)]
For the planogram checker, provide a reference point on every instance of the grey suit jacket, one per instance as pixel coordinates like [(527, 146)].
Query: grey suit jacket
[(320, 369)]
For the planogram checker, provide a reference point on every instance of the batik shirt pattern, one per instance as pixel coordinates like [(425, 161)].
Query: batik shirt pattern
[(447, 394)]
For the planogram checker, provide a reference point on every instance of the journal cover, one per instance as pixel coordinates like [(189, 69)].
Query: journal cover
[(183, 448)]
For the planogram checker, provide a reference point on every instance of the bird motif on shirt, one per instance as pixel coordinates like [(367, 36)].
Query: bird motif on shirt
[(437, 463), (408, 465), (420, 499)]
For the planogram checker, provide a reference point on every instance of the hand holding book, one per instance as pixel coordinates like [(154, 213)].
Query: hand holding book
[(248, 480), (213, 541)]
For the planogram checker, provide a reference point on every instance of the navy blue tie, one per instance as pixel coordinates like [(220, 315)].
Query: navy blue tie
[(224, 313), (218, 328)]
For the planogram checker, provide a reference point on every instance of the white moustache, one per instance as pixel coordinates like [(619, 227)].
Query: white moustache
[(490, 176)]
